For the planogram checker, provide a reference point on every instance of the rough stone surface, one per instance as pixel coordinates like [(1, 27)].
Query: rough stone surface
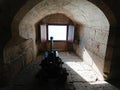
[(17, 57), (95, 29), (81, 77), (95, 26)]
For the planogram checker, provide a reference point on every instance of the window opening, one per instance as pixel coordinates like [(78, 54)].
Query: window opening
[(58, 32)]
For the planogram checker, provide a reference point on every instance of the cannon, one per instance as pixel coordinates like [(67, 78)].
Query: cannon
[(51, 66)]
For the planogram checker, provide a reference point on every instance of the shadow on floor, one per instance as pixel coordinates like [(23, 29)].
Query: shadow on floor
[(80, 78)]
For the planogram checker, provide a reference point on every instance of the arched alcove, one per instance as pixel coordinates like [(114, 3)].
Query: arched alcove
[(93, 29), (57, 19)]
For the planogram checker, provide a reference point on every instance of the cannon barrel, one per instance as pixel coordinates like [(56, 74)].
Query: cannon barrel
[(51, 66), (51, 44)]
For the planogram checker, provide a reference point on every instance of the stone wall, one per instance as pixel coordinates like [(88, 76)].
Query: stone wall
[(92, 19), (16, 57), (75, 9), (91, 47), (115, 63)]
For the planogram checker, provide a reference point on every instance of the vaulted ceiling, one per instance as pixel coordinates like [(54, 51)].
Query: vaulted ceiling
[(8, 9)]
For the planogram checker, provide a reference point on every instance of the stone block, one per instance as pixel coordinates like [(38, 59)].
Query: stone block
[(101, 36), (17, 66), (29, 56)]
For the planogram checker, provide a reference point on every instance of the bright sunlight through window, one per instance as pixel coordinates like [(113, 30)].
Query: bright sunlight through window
[(58, 32)]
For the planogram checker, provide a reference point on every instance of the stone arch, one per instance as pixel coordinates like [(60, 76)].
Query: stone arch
[(83, 12)]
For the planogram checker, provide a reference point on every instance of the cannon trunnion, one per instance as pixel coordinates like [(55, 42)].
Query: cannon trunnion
[(51, 66)]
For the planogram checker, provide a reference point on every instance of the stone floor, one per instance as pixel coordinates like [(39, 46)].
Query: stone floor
[(81, 77)]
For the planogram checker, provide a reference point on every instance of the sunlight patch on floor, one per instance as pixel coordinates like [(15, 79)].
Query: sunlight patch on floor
[(89, 60), (77, 68), (81, 72), (82, 75)]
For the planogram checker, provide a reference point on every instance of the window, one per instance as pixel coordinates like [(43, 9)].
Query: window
[(58, 32)]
